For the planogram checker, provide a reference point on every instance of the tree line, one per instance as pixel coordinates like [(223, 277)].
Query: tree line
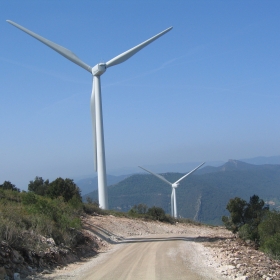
[(65, 188), (253, 220)]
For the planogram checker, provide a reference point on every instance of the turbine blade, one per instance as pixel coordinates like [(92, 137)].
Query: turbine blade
[(188, 173), (126, 55), (61, 50), (93, 119), (157, 175)]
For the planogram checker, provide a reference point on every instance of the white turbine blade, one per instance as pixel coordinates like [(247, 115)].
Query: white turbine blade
[(157, 175), (93, 119), (126, 55), (188, 173), (61, 50)]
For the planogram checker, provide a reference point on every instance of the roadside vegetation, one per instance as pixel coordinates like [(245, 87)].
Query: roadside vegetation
[(255, 222), (53, 210), (47, 210), (153, 213), (141, 211)]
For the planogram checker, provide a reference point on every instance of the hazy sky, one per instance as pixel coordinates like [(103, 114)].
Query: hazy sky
[(207, 90)]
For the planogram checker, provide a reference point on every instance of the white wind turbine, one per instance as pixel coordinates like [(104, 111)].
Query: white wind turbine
[(95, 102), (174, 186)]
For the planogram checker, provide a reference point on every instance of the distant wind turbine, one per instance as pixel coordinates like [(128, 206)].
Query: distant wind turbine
[(95, 102), (174, 186)]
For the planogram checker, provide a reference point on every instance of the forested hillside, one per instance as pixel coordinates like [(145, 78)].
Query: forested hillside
[(203, 196), (90, 184)]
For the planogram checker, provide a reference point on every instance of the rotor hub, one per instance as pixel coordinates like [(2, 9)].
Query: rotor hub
[(98, 69)]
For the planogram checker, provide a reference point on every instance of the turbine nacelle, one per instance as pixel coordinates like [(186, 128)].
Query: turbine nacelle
[(98, 69), (175, 185)]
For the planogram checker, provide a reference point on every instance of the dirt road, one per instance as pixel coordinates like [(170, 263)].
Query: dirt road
[(152, 257), (139, 249)]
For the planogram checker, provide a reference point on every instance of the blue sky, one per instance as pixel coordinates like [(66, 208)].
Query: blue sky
[(207, 90)]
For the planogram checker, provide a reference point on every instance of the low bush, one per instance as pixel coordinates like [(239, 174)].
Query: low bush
[(92, 207), (22, 214), (269, 231), (271, 245)]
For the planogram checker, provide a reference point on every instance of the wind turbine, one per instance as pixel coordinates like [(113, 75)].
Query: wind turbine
[(174, 186), (96, 101)]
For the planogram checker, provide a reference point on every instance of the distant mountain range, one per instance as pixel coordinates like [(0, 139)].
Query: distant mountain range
[(88, 185), (186, 166), (203, 196), (262, 160), (232, 165)]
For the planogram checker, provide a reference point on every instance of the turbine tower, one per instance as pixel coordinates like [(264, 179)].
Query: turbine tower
[(174, 186), (95, 102)]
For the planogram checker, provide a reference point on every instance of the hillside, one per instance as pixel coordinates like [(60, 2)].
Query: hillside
[(90, 184), (204, 195)]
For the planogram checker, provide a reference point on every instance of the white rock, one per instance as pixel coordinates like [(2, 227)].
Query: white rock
[(242, 278), (50, 241)]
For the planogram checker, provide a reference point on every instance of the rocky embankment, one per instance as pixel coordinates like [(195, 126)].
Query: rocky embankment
[(239, 259), (228, 255), (23, 263)]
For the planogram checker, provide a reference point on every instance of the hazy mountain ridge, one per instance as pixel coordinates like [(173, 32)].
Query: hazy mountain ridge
[(262, 160), (90, 184), (233, 165), (184, 167), (204, 194)]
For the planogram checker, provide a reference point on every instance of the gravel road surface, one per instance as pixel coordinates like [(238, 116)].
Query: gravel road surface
[(135, 249), (152, 257)]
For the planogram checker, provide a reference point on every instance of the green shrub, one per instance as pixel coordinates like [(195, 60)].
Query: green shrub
[(157, 213), (38, 186), (138, 211), (271, 245), (92, 207), (133, 213), (245, 232), (269, 231), (7, 185), (29, 198), (26, 214), (65, 188), (245, 216), (236, 207)]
